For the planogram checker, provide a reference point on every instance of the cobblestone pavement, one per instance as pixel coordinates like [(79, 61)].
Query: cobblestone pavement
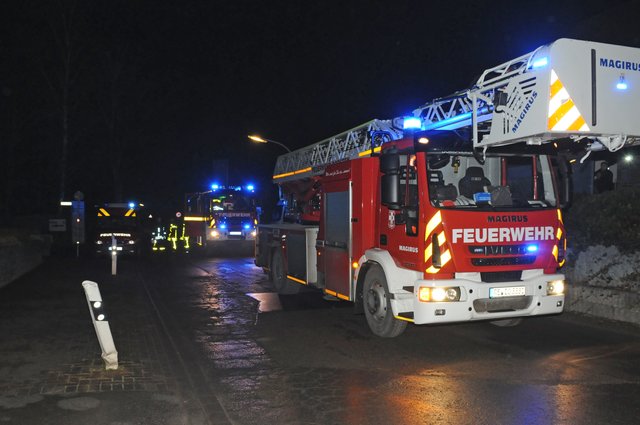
[(203, 340), (49, 348)]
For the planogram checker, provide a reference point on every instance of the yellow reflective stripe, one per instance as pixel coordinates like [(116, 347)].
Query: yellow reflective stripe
[(295, 279), (433, 223), (406, 319), (303, 170), (563, 113), (445, 258), (429, 251), (330, 292), (104, 212), (368, 151), (556, 86), (130, 212), (560, 112), (559, 216), (343, 297), (554, 252), (577, 124), (194, 218), (279, 176), (559, 233)]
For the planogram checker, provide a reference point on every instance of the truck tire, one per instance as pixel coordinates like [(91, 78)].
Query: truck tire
[(279, 278), (507, 323), (377, 305)]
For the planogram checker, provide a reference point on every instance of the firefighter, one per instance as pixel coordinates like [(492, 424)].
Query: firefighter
[(603, 178)]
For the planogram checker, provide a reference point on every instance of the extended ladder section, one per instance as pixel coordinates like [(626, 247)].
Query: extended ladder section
[(580, 90), (358, 142), (577, 90)]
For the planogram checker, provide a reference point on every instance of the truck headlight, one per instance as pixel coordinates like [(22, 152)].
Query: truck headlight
[(429, 294), (555, 287), (98, 242), (132, 242), (215, 234)]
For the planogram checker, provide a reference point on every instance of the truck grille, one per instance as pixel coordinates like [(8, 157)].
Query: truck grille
[(510, 276), (504, 261), (497, 305)]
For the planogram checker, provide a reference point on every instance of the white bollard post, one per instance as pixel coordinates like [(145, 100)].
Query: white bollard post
[(114, 256), (101, 324)]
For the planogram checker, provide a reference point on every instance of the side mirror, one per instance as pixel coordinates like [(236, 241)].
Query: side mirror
[(390, 163), (390, 191), (390, 183)]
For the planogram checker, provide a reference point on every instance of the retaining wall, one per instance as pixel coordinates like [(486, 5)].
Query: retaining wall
[(21, 252)]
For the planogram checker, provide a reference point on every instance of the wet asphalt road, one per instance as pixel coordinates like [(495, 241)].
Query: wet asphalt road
[(203, 340)]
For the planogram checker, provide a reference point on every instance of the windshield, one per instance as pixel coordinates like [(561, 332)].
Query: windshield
[(231, 202), (502, 181), (117, 222)]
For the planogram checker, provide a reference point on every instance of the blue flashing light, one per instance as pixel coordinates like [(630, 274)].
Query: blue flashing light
[(250, 187), (539, 63), (532, 248), (412, 123), (215, 186), (622, 85), (247, 226), (223, 226), (132, 205)]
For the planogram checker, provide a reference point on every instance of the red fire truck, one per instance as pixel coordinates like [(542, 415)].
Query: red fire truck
[(221, 214), (454, 214)]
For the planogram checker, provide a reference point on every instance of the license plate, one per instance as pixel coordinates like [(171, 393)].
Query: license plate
[(510, 291), (235, 233)]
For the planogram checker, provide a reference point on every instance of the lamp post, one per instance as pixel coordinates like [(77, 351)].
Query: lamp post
[(259, 139)]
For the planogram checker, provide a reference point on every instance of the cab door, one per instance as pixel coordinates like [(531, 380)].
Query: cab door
[(336, 247)]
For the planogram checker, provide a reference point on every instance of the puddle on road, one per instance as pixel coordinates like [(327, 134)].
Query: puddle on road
[(269, 301)]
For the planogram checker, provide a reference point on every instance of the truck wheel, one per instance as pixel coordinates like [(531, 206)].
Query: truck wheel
[(377, 305), (279, 278), (507, 323)]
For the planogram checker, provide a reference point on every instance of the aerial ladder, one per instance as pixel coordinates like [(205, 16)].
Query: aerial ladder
[(573, 90)]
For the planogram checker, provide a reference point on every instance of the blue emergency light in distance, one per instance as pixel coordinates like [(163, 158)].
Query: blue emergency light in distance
[(250, 187), (132, 205), (532, 248), (247, 226), (223, 226), (215, 186)]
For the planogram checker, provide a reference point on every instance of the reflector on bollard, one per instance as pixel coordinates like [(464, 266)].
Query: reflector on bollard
[(100, 321)]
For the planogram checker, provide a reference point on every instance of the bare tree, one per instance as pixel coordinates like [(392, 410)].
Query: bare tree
[(61, 73)]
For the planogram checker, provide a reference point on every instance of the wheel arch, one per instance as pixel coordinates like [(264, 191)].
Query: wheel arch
[(396, 277)]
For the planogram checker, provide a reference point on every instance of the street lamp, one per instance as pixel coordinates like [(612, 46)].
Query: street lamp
[(259, 139)]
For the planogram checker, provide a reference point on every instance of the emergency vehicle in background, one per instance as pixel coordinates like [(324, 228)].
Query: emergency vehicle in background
[(221, 214), (454, 214), (121, 223)]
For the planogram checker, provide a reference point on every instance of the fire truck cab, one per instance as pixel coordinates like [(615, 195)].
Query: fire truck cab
[(221, 214)]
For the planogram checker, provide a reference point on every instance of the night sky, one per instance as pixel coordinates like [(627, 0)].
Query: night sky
[(159, 90)]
